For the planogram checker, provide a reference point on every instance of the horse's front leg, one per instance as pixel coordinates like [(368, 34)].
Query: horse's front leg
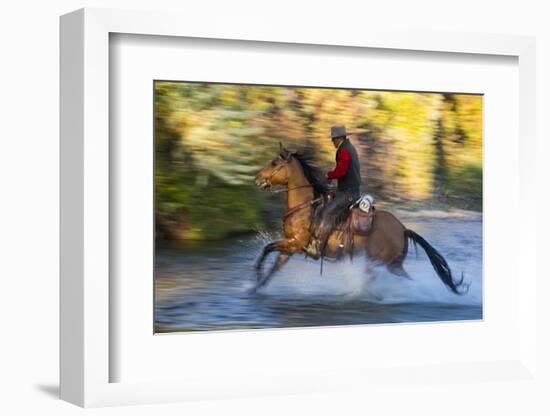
[(281, 260), (285, 247), (288, 246), (266, 250)]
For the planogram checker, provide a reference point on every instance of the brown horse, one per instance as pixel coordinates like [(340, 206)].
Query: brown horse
[(386, 242)]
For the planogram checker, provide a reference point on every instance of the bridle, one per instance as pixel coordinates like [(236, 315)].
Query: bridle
[(276, 191), (275, 171)]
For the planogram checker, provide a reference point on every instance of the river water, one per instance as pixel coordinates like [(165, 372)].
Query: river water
[(204, 287)]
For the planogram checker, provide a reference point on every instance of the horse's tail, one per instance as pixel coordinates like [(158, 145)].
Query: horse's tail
[(439, 264)]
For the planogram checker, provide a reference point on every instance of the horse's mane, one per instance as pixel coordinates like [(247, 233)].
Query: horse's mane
[(312, 173)]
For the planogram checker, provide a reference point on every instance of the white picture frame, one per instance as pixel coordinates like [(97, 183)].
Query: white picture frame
[(85, 212)]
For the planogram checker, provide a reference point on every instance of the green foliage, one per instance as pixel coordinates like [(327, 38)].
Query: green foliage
[(467, 187), (211, 139), (190, 207)]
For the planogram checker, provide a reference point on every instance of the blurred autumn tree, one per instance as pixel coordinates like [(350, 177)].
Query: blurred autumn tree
[(416, 149)]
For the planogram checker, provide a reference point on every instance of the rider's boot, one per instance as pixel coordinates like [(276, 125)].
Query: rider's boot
[(313, 248), (317, 245)]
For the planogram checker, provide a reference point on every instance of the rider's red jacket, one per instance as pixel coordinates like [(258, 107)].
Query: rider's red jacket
[(342, 165)]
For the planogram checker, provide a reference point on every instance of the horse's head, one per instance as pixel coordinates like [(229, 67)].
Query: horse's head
[(277, 171)]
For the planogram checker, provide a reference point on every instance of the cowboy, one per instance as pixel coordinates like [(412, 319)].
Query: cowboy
[(347, 173)]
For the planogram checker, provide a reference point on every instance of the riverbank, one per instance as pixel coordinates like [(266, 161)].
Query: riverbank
[(401, 211), (426, 214)]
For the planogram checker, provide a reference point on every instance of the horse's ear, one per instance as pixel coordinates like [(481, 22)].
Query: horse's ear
[(283, 152)]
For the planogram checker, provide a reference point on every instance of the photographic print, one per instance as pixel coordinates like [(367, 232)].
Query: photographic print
[(292, 206)]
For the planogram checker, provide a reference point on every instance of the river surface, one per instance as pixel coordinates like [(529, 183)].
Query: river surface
[(204, 287)]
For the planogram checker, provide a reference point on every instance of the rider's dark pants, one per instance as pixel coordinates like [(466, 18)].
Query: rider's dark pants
[(333, 212)]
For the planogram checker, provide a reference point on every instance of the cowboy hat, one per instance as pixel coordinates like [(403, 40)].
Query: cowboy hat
[(337, 130)]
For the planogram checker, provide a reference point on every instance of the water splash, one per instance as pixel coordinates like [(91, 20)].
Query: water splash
[(363, 280)]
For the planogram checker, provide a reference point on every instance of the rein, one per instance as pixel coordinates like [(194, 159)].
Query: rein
[(298, 207), (277, 191)]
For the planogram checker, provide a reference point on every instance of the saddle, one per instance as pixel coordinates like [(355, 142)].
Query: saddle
[(357, 220), (360, 222), (362, 214)]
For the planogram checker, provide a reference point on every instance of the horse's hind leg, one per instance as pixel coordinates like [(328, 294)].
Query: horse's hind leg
[(372, 275), (398, 270), (396, 266)]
